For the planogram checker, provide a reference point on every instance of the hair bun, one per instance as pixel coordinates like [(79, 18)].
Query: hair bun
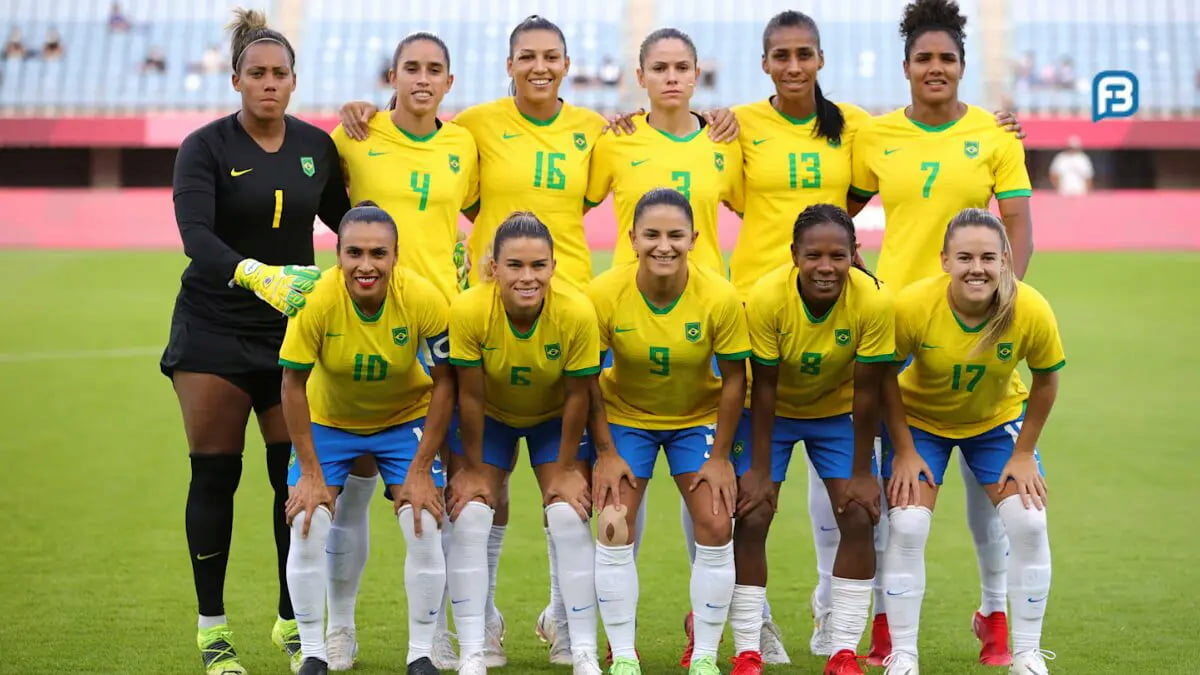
[(366, 202)]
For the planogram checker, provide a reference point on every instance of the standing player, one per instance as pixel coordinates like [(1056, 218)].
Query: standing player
[(423, 173), (668, 149), (247, 188), (822, 336), (966, 331), (665, 320), (929, 161), (366, 325), (526, 351)]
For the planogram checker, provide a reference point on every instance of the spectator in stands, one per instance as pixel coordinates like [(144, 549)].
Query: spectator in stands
[(1064, 74), (155, 61), (610, 72), (211, 61), (117, 22), (14, 48), (1071, 170), (52, 49)]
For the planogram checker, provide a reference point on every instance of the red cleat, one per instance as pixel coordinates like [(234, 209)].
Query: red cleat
[(686, 659), (881, 641), (747, 663), (992, 631), (844, 662)]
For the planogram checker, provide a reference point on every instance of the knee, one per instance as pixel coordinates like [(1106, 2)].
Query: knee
[(311, 546), (430, 538), (712, 530), (909, 527), (855, 523), (613, 527), (474, 524), (755, 524), (1025, 527)]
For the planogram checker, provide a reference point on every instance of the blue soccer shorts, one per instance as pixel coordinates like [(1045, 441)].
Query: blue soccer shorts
[(829, 442), (687, 449), (986, 454), (500, 442), (393, 448)]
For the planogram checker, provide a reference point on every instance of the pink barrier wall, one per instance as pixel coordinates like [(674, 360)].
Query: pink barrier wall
[(144, 218)]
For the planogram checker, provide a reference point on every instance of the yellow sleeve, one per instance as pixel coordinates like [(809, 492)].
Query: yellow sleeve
[(734, 193), (472, 117), (1012, 178), (302, 341), (471, 159), (878, 329), (906, 326), (583, 352), (731, 337), (600, 171), (761, 321), (863, 182), (603, 311), (464, 335), (1045, 352)]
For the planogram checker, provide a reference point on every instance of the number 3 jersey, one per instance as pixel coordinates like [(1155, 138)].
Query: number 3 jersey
[(662, 374), (951, 393), (368, 371)]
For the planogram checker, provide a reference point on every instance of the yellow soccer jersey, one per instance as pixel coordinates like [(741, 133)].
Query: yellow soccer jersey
[(365, 370), (816, 354), (705, 172), (422, 182), (539, 166), (948, 394), (925, 176), (787, 170), (524, 371), (661, 377)]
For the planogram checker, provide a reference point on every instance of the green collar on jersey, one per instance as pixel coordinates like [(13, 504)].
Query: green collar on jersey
[(939, 128), (369, 318), (524, 336), (793, 120), (664, 310), (420, 139), (541, 123)]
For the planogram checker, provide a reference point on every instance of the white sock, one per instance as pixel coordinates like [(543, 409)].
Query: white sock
[(443, 611), (347, 548), (745, 617), (848, 620), (467, 567), (617, 593), (766, 610), (711, 590), (991, 542), (826, 535), (494, 544), (881, 534), (639, 524), (558, 611), (904, 574), (306, 580), (576, 560), (206, 622), (424, 579), (1028, 571), (689, 530)]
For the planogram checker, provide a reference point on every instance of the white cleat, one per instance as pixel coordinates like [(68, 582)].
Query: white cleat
[(1031, 663), (585, 663), (444, 656), (770, 644), (820, 643), (545, 627), (558, 635), (493, 642), (341, 645), (473, 665), (900, 663)]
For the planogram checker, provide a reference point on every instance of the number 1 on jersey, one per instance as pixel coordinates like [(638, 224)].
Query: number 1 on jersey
[(278, 209), (812, 166), (555, 178)]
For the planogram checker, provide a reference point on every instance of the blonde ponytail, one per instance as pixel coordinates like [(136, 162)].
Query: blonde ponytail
[(1004, 301)]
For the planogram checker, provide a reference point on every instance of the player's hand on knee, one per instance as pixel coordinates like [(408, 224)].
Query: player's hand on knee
[(1022, 469), (355, 116), (718, 473), (754, 489), (466, 486), (422, 494), (862, 489), (571, 487), (622, 123), (723, 126), (309, 493), (282, 287), (610, 469), (904, 489)]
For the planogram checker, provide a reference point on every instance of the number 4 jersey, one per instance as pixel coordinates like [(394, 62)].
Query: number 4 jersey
[(368, 371)]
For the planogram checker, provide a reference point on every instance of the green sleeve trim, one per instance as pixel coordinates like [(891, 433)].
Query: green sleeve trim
[(1007, 194), (582, 372), (864, 195), (293, 365), (1051, 369), (466, 363), (473, 206), (882, 358), (736, 356), (592, 204), (764, 362)]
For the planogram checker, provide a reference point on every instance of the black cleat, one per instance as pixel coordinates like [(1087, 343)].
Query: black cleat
[(422, 666), (313, 666)]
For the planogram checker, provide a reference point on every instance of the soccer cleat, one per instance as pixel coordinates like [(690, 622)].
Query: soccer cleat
[(313, 666), (216, 650), (845, 662), (770, 645), (475, 664), (881, 641), (584, 663), (341, 646), (444, 656), (992, 631), (422, 666), (558, 635), (545, 627), (1032, 662), (747, 663), (901, 663), (705, 665), (493, 642), (819, 644), (623, 665), (686, 659), (286, 636)]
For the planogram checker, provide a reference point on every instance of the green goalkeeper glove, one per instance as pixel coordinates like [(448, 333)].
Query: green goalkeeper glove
[(282, 287)]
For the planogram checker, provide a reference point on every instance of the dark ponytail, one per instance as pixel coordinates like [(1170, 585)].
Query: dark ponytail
[(830, 121), (820, 214)]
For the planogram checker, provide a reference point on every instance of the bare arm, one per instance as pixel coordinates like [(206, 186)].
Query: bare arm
[(437, 420), (1042, 394), (574, 419), (470, 413), (1019, 222), (298, 420), (762, 414), (733, 400)]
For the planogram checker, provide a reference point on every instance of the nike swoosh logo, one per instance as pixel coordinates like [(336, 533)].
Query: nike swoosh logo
[(508, 135), (235, 173), (608, 600), (760, 141), (712, 606), (638, 162), (828, 529), (623, 330), (1036, 600), (374, 153), (333, 335), (487, 349), (210, 555), (433, 612), (458, 602), (888, 151), (900, 593), (580, 609), (925, 346)]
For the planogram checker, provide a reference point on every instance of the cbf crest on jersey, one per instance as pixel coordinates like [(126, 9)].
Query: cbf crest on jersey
[(719, 160), (1004, 351), (971, 149), (580, 142), (691, 331), (553, 351), (454, 163), (841, 336), (308, 166), (400, 336), (739, 447)]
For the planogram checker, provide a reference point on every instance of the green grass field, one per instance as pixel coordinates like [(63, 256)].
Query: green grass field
[(96, 576)]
